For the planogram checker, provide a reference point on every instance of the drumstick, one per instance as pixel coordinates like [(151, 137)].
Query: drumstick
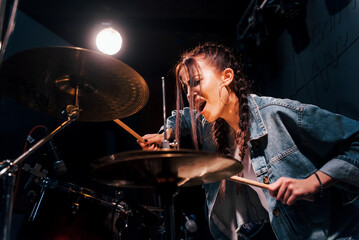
[(249, 182), (129, 130), (259, 184)]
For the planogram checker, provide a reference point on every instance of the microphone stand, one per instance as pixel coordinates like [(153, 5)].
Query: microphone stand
[(8, 170)]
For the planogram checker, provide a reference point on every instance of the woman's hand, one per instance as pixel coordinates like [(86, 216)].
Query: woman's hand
[(152, 142), (290, 190)]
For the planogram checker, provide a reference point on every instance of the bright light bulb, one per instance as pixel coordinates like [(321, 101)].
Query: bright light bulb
[(109, 41)]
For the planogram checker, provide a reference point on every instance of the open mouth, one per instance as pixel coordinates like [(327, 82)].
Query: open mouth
[(200, 105)]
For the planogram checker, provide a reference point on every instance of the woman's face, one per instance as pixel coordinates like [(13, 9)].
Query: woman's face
[(206, 90)]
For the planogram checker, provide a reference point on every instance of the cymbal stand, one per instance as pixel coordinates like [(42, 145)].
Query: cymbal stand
[(8, 170), (167, 190), (165, 143)]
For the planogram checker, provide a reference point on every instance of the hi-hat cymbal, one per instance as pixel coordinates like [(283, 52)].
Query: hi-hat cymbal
[(45, 79), (153, 168)]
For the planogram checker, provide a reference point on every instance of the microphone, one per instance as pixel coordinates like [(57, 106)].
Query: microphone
[(190, 223), (58, 166)]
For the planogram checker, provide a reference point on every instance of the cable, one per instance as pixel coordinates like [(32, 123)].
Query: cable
[(29, 139)]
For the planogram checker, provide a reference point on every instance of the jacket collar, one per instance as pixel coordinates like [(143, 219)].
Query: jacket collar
[(257, 129)]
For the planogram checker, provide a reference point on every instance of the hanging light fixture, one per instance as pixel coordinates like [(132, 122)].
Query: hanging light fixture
[(109, 40)]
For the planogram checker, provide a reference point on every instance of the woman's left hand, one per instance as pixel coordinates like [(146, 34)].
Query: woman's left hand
[(290, 190)]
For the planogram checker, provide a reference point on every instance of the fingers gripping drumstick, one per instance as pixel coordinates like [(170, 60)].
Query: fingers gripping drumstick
[(129, 130)]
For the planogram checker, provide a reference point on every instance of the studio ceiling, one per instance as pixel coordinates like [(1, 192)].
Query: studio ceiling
[(154, 32)]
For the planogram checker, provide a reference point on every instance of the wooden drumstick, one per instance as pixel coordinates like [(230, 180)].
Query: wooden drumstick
[(129, 130), (249, 182), (259, 184)]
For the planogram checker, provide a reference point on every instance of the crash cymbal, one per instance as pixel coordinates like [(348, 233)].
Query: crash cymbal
[(45, 79), (152, 168)]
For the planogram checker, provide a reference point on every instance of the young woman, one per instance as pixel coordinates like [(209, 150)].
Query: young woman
[(307, 155)]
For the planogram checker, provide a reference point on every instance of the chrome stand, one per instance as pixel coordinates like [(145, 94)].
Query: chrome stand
[(8, 185), (8, 171), (167, 192)]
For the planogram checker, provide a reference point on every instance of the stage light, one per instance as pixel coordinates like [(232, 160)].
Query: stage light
[(109, 41)]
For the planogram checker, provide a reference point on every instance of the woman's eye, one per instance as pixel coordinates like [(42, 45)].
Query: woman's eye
[(196, 82)]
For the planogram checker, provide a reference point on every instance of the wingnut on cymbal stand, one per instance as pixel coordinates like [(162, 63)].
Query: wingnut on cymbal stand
[(8, 170)]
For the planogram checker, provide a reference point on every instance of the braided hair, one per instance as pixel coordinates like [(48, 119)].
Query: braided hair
[(219, 57)]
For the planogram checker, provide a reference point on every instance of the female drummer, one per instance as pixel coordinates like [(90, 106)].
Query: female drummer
[(307, 155)]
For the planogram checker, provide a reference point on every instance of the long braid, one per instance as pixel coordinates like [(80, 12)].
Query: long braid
[(220, 135), (241, 88)]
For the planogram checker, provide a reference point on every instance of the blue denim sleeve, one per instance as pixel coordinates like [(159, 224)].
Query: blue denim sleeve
[(335, 138), (185, 121)]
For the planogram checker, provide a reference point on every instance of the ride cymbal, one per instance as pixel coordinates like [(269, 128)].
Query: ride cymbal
[(153, 168), (45, 79)]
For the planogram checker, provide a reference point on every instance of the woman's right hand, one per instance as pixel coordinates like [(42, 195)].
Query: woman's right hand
[(152, 141)]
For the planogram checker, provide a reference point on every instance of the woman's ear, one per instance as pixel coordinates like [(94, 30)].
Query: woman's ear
[(228, 75)]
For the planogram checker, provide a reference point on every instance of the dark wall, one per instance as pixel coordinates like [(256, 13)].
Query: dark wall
[(313, 59)]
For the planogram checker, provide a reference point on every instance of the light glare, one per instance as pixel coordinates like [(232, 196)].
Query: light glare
[(109, 41)]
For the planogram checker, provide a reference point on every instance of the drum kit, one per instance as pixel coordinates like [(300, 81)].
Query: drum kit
[(85, 85)]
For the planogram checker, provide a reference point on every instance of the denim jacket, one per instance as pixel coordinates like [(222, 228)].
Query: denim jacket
[(291, 139)]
